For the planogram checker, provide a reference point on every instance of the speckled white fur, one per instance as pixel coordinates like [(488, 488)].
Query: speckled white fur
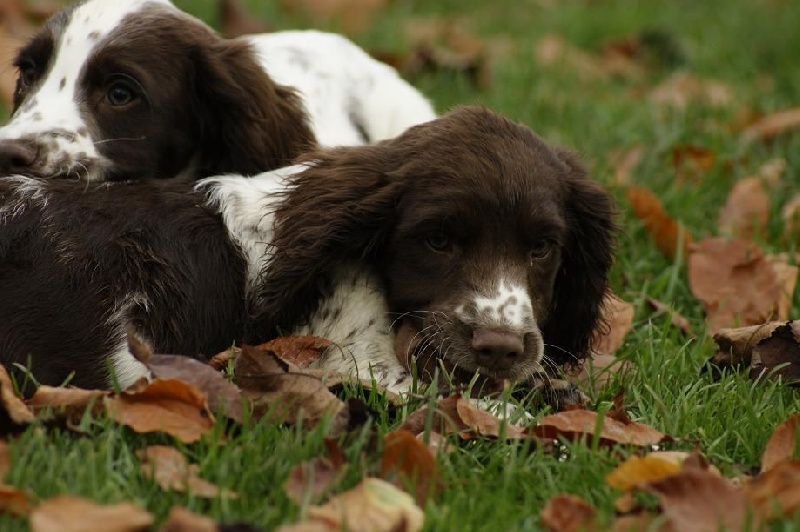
[(354, 317), (506, 305), (349, 96)]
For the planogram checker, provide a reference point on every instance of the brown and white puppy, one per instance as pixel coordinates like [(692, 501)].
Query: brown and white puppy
[(490, 244), (114, 90)]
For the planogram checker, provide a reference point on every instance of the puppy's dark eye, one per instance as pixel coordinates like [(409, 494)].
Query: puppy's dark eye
[(540, 249), (27, 74), (120, 93), (439, 241)]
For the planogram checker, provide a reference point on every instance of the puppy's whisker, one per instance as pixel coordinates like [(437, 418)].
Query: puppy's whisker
[(105, 141)]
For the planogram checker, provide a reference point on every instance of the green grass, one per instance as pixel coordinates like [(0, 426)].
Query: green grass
[(499, 486)]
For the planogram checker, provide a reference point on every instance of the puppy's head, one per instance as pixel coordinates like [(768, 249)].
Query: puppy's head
[(111, 90), (494, 246)]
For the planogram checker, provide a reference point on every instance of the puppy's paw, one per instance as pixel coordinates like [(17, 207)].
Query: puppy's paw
[(559, 394)]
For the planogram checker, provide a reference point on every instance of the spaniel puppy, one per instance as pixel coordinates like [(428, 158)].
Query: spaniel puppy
[(486, 248), (489, 248), (113, 90)]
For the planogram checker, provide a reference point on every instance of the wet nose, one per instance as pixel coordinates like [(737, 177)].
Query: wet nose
[(497, 348), (16, 156)]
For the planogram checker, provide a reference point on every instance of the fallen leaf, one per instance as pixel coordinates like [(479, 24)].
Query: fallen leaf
[(678, 320), (746, 210), (351, 16), (73, 514), (690, 162), (435, 442), (170, 406), (14, 501), (299, 351), (568, 513), (736, 284), (373, 506), (406, 461), (221, 360), (182, 520), (682, 89), (235, 21), (484, 423), (312, 480), (456, 415), (624, 162), (736, 345), (779, 355), (701, 501), (669, 237), (638, 471), (575, 424), (283, 396), (553, 50), (69, 403), (775, 494), (782, 444), (222, 396), (171, 471), (772, 172), (618, 315), (14, 413), (771, 126)]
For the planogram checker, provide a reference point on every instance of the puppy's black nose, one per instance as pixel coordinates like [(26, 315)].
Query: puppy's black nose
[(16, 156), (497, 348)]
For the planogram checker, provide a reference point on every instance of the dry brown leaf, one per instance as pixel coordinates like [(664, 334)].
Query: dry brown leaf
[(373, 506), (638, 471), (69, 403), (407, 461), (618, 314), (483, 423), (790, 214), (736, 284), (182, 520), (746, 210), (779, 355), (312, 480), (772, 172), (170, 406), (771, 126), (691, 162), (553, 50), (14, 413), (222, 396), (575, 424), (624, 162), (776, 493), (14, 501), (701, 501), (234, 20), (73, 514), (172, 472), (435, 442), (782, 444), (682, 89), (284, 396), (678, 320), (568, 513), (669, 237), (351, 16), (640, 522), (736, 345), (456, 415), (299, 351), (221, 360)]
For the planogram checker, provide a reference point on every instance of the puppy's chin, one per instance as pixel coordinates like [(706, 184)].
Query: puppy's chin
[(411, 347)]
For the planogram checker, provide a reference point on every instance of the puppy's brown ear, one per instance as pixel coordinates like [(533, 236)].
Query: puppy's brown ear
[(582, 281), (248, 123), (338, 211)]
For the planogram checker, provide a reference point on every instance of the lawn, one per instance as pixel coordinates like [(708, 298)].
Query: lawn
[(751, 47)]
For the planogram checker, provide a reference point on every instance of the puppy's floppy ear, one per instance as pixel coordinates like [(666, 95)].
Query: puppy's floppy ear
[(582, 281), (248, 123), (339, 210)]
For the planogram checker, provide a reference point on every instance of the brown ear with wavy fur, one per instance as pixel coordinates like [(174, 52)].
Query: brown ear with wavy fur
[(340, 209), (248, 123), (582, 281)]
